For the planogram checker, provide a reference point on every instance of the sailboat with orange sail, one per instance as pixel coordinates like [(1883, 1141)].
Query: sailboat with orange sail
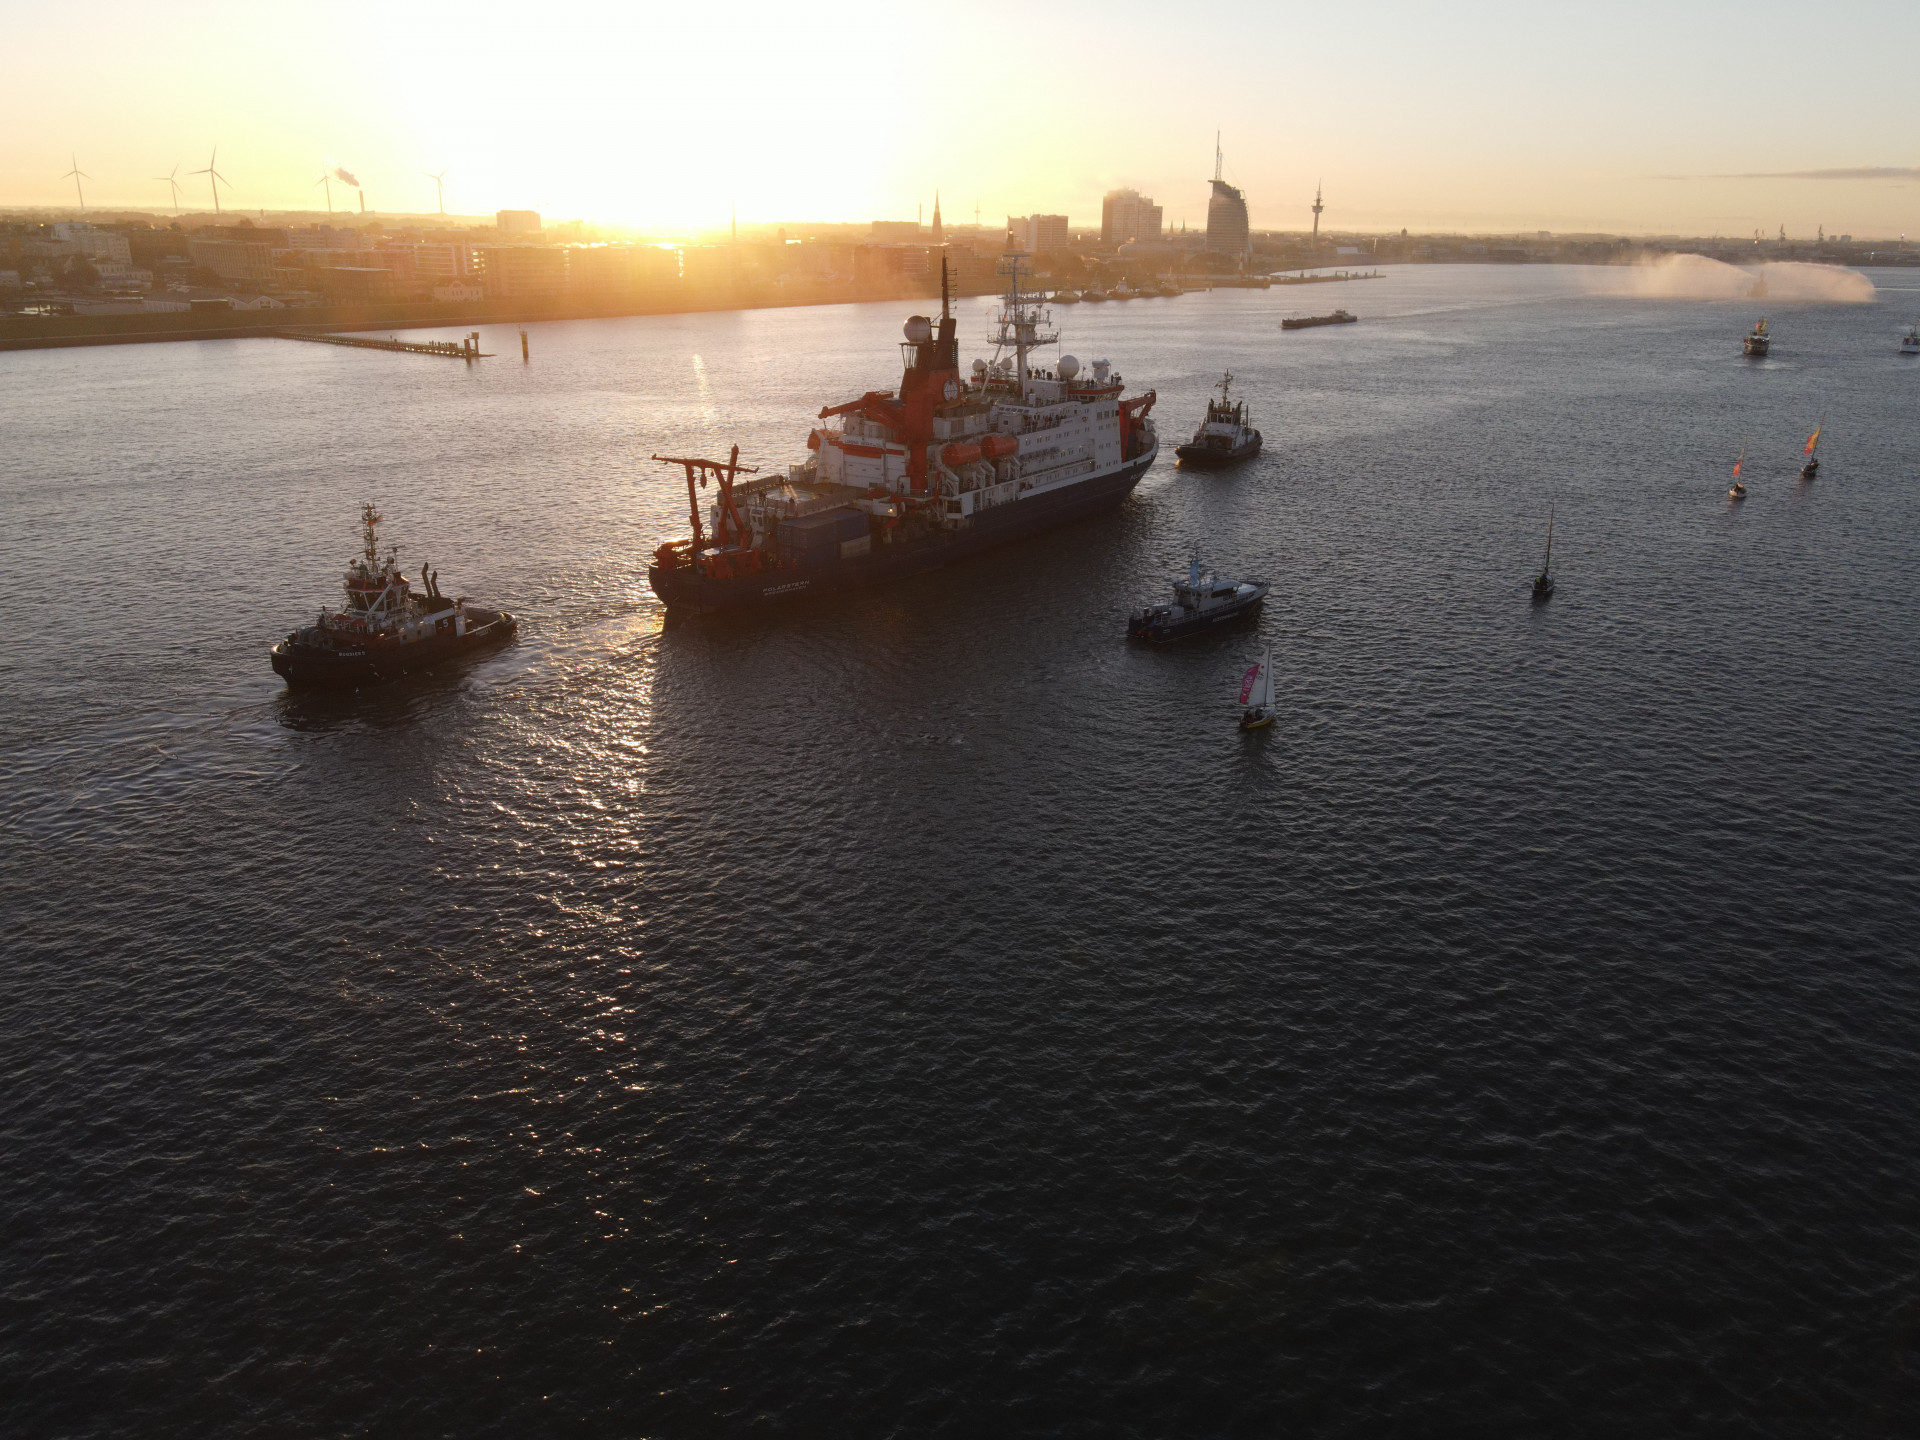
[(1812, 468), (1738, 491)]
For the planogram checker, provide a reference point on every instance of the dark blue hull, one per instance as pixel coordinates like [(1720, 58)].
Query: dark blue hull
[(680, 587)]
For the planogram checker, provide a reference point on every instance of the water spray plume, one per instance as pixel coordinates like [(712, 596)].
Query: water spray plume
[(1696, 277)]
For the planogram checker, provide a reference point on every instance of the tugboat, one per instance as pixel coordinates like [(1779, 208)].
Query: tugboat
[(1200, 602), (1224, 437), (1543, 582), (1758, 342), (1812, 468), (1737, 490), (386, 629), (1256, 694), (902, 481), (1307, 322), (1910, 342)]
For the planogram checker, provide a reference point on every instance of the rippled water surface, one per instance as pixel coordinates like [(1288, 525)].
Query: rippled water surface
[(921, 1013)]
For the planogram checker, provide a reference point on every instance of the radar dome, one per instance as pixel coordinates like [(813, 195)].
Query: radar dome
[(1100, 368), (1068, 367), (919, 329), (979, 367)]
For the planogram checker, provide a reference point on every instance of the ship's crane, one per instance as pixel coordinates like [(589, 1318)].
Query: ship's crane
[(722, 472)]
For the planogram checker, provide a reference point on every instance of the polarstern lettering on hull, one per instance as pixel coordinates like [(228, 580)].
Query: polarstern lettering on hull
[(900, 481)]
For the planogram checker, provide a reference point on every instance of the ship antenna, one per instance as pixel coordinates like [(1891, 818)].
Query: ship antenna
[(943, 285)]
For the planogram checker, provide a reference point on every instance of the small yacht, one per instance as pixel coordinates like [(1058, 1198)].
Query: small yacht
[(1224, 437), (1200, 602), (1066, 297), (1910, 342), (1758, 342), (1256, 693), (1543, 582), (1737, 490)]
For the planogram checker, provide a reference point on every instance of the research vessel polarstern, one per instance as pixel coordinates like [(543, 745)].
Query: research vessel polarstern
[(908, 480)]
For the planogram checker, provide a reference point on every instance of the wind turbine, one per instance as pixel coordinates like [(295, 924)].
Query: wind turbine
[(326, 179), (173, 185), (214, 178), (76, 174), (440, 186)]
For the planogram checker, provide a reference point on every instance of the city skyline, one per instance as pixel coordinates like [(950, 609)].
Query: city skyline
[(1488, 118)]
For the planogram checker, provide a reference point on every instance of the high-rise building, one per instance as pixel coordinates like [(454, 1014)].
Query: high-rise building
[(1127, 215), (1227, 228), (1039, 234), (518, 222)]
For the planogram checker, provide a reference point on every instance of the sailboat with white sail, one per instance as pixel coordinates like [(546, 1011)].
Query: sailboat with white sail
[(1256, 693)]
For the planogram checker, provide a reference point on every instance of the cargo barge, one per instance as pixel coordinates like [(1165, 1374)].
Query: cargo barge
[(902, 481), (1308, 322)]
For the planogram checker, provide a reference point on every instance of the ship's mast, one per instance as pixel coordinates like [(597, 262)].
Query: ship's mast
[(1022, 322)]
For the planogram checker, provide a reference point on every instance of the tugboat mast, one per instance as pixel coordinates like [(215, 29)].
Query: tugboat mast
[(369, 518)]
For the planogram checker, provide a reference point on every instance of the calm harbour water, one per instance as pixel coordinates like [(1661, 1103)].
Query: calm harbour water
[(922, 1013)]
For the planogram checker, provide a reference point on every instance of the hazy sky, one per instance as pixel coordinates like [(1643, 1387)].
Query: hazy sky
[(1629, 117)]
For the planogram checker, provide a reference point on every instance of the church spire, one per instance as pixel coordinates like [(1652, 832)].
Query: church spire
[(939, 234)]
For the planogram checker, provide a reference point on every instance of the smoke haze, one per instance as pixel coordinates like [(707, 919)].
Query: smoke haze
[(345, 176), (1695, 277)]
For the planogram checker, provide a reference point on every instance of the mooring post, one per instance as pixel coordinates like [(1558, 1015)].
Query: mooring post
[(523, 346)]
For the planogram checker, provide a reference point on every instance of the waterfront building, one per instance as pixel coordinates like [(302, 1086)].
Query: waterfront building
[(1227, 230), (431, 260), (1127, 215), (897, 232), (232, 258), (80, 238), (521, 272), (356, 284)]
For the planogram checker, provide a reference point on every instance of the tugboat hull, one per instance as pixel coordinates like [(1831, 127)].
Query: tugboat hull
[(682, 588), (1206, 457), (307, 664)]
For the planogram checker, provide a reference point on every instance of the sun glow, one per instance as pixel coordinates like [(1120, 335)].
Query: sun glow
[(675, 119)]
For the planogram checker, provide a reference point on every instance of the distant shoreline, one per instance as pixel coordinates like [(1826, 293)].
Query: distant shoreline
[(54, 332)]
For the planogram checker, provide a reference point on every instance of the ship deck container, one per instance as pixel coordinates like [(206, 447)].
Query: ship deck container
[(826, 536)]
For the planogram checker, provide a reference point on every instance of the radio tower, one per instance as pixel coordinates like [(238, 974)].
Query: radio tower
[(1317, 208)]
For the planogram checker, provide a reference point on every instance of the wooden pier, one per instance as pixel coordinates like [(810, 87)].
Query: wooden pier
[(466, 349)]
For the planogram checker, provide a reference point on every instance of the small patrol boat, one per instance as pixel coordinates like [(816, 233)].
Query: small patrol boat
[(1200, 602), (1812, 468), (1256, 694), (1224, 437), (1910, 342), (387, 629), (1737, 490), (1758, 343), (1543, 582)]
